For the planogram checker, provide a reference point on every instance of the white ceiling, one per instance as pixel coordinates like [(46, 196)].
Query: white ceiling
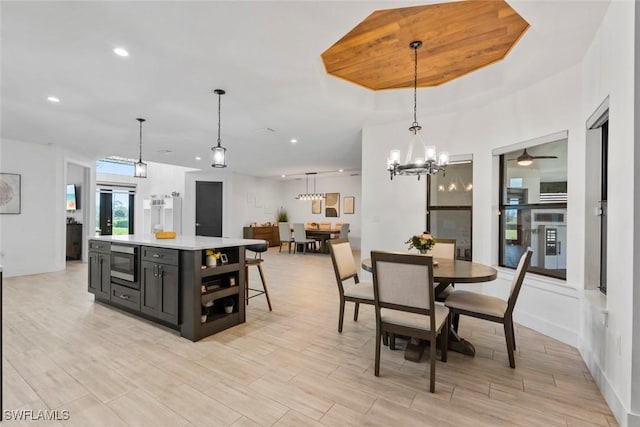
[(265, 54)]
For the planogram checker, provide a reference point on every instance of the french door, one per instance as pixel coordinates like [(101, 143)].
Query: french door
[(114, 210)]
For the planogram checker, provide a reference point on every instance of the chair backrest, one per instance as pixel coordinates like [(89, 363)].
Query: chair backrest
[(284, 229), (444, 248), (298, 232), (403, 282), (342, 258), (518, 278), (325, 226), (344, 230)]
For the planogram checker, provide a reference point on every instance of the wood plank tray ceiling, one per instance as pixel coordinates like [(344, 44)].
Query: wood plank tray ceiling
[(457, 38)]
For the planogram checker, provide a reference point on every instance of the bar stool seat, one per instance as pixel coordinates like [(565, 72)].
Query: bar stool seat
[(258, 248)]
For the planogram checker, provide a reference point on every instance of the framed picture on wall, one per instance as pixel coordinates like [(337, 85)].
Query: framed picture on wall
[(9, 193), (349, 204), (332, 205), (316, 206)]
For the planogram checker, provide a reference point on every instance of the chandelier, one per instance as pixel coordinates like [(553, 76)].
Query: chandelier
[(311, 196), (219, 152), (431, 163), (140, 170)]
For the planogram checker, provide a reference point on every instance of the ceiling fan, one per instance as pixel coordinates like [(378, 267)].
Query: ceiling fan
[(525, 159)]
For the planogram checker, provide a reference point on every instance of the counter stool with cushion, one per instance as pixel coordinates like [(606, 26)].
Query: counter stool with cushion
[(258, 248)]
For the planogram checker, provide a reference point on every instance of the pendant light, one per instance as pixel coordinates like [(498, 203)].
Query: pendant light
[(429, 164), (219, 152), (311, 196), (140, 167)]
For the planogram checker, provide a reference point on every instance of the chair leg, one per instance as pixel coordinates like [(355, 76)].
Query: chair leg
[(341, 315), (508, 336), (246, 285), (432, 361), (281, 243), (392, 342), (513, 334), (385, 339), (444, 345), (377, 361), (456, 320), (355, 312), (264, 285)]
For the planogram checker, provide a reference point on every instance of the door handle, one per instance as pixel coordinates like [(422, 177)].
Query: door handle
[(197, 224)]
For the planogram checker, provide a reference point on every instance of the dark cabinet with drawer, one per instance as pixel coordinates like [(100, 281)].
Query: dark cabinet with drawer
[(160, 284), (125, 297), (270, 234), (99, 269), (74, 241)]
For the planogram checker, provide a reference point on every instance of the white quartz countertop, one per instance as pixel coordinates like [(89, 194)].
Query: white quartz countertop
[(189, 243)]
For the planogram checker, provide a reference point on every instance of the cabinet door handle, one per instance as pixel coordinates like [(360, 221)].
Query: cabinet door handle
[(155, 270), (160, 272)]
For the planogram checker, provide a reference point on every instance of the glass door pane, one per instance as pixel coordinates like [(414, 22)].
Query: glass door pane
[(120, 214)]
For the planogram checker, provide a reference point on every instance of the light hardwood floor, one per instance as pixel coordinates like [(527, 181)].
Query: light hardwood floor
[(289, 367)]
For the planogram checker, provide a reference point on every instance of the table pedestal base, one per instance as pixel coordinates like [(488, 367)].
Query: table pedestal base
[(415, 348)]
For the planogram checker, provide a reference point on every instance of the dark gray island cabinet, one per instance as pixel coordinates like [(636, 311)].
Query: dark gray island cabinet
[(168, 281)]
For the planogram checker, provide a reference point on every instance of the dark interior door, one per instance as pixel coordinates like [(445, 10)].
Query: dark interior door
[(208, 208), (105, 214), (603, 206)]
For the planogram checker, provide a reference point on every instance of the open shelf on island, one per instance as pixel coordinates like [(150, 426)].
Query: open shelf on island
[(222, 292), (220, 269)]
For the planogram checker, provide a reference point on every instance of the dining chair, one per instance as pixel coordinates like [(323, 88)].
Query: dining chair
[(344, 268), (257, 260), (284, 229), (405, 304), (300, 238), (444, 248), (492, 308), (344, 230)]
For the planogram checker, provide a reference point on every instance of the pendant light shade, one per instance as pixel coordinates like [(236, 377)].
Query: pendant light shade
[(219, 152), (140, 167)]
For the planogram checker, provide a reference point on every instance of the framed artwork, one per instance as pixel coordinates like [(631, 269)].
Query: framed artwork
[(349, 204), (9, 193), (251, 197), (316, 206), (332, 205)]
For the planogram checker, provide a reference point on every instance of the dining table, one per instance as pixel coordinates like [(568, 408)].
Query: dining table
[(322, 235), (449, 272)]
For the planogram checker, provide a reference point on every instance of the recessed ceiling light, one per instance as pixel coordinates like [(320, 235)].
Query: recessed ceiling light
[(53, 99), (293, 140), (120, 51), (198, 158), (283, 176), (341, 170)]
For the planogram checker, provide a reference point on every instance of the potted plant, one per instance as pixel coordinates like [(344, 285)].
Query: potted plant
[(228, 305), (212, 257), (282, 215)]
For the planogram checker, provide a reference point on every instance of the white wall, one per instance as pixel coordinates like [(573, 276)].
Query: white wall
[(608, 70), (34, 241), (255, 200), (300, 211)]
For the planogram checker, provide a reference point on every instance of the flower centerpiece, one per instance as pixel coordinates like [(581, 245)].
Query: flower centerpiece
[(212, 257), (422, 242)]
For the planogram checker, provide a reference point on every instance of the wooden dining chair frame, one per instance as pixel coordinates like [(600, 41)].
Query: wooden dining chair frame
[(340, 281), (446, 291), (384, 328), (507, 319)]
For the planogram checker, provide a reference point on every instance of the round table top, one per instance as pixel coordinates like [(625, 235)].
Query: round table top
[(454, 271)]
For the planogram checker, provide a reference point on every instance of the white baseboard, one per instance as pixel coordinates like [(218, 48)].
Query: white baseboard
[(545, 327), (624, 417)]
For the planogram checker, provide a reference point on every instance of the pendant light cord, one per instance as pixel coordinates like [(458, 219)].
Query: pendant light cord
[(140, 120), (219, 102), (415, 85)]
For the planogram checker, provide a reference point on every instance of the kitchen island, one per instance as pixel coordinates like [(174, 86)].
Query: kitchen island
[(169, 282)]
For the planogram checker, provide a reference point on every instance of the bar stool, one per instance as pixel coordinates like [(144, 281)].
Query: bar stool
[(258, 248)]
